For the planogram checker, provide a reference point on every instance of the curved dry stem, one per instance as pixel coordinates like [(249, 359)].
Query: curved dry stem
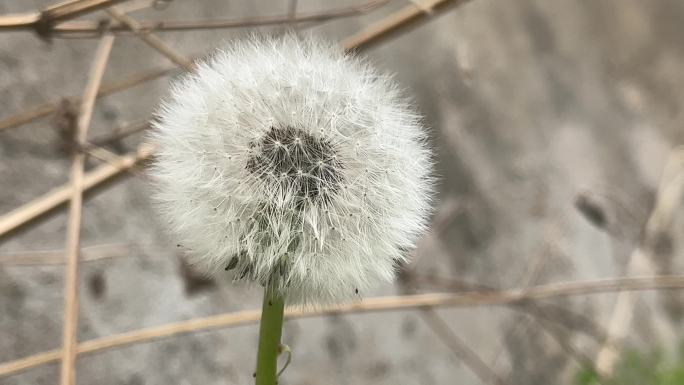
[(391, 303)]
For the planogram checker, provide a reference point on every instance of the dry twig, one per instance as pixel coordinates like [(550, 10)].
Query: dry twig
[(93, 29), (405, 18), (469, 299), (564, 315), (43, 22), (151, 40), (70, 9), (532, 273), (668, 200), (56, 198), (68, 375), (56, 257), (580, 358), (106, 89), (90, 29), (432, 319), (119, 133), (59, 196), (460, 348)]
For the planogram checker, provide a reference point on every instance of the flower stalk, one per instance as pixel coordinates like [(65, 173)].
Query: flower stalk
[(297, 167), (270, 331)]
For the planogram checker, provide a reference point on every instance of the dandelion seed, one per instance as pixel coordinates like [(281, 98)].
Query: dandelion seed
[(291, 135)]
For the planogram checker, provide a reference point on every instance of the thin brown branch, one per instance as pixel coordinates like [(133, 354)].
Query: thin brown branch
[(378, 304), (151, 40), (90, 29), (106, 89), (74, 8), (549, 316), (362, 40), (99, 153), (641, 260), (119, 133), (472, 299), (56, 198), (408, 283), (43, 22), (460, 348), (401, 20), (155, 73), (18, 21), (562, 315), (73, 238), (58, 257), (532, 273), (59, 196), (557, 334)]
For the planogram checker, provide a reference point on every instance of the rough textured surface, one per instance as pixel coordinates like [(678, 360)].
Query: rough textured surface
[(531, 102)]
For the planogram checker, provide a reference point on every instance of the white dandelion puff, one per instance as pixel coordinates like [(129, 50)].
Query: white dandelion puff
[(295, 165)]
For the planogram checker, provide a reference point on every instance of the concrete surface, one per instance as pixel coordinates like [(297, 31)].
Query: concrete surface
[(530, 103)]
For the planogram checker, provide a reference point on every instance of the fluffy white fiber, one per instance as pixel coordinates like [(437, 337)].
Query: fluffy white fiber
[(290, 162)]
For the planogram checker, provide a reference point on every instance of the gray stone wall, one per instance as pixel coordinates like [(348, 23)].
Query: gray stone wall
[(531, 104)]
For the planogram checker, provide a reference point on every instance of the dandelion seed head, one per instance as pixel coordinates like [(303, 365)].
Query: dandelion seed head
[(294, 164)]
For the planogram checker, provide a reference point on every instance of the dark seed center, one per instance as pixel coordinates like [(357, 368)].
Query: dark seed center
[(297, 162)]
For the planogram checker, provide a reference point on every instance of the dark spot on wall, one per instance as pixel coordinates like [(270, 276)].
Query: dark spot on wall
[(193, 281), (591, 210), (97, 285)]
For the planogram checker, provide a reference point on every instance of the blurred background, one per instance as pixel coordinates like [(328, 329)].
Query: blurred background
[(555, 124)]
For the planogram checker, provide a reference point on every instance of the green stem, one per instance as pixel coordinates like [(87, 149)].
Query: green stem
[(270, 331)]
